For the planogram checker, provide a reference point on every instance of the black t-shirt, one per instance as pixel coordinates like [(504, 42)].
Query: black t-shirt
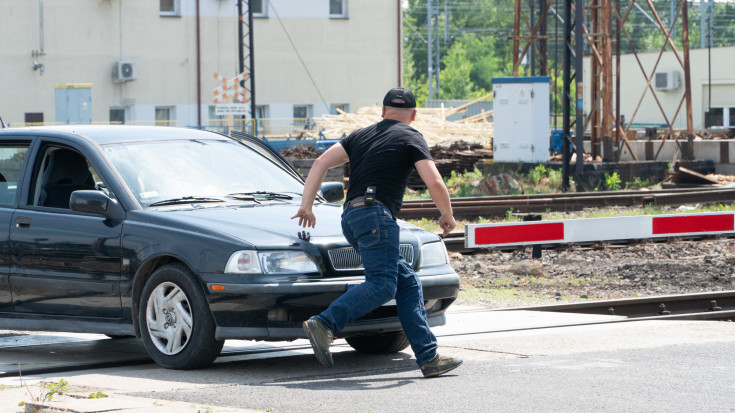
[(383, 155)]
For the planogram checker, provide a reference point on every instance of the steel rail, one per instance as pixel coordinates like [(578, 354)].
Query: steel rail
[(694, 306), (539, 203)]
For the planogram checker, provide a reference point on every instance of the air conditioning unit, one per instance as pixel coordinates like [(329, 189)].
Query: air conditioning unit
[(124, 71), (667, 80)]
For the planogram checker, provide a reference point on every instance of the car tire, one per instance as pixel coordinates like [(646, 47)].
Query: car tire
[(384, 343), (175, 321)]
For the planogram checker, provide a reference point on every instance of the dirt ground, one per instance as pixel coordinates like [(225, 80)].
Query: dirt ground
[(509, 279)]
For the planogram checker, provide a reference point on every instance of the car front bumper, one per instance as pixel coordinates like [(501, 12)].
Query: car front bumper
[(275, 311)]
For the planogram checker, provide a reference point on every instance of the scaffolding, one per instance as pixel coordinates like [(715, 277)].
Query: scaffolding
[(597, 28)]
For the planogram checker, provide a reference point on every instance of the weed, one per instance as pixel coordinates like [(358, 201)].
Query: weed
[(427, 224), (536, 174), (637, 183), (510, 217), (555, 176), (465, 184), (54, 388), (612, 181), (98, 395)]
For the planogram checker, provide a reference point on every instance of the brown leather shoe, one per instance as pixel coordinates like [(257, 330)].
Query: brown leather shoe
[(440, 365), (321, 338)]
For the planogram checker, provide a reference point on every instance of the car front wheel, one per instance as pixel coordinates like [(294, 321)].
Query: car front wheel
[(175, 321), (379, 343)]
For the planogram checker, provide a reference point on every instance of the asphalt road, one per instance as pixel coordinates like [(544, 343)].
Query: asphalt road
[(654, 366)]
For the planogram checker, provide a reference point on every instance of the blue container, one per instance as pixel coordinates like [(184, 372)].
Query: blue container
[(557, 141)]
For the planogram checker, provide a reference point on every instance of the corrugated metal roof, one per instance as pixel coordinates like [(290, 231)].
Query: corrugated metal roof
[(474, 109)]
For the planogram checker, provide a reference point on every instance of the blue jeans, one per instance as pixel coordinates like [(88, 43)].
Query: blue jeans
[(373, 232)]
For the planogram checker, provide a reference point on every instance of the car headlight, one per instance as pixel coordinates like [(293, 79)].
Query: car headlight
[(287, 262), (271, 262), (433, 254), (243, 262)]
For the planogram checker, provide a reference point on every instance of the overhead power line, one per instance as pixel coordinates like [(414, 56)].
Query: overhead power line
[(296, 50)]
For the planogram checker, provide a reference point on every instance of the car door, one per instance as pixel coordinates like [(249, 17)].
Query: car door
[(12, 157), (63, 262)]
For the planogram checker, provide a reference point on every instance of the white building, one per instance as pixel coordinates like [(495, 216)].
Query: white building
[(669, 86), (311, 56)]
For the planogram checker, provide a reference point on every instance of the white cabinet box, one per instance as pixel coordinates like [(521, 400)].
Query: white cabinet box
[(521, 119)]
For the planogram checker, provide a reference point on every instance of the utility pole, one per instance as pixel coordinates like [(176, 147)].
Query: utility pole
[(432, 24), (246, 55)]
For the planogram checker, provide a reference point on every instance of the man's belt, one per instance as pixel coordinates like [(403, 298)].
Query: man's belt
[(358, 201)]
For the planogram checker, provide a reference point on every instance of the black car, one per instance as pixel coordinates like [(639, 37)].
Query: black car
[(182, 237)]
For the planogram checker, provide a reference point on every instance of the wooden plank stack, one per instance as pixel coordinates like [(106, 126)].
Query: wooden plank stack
[(431, 122)]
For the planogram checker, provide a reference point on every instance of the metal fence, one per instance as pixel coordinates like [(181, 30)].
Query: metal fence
[(269, 127)]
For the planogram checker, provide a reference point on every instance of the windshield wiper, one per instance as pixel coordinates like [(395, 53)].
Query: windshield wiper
[(186, 200), (264, 194)]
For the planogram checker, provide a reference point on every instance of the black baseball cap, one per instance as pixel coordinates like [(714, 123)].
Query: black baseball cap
[(409, 101)]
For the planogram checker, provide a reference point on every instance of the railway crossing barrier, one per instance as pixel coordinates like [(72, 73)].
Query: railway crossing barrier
[(598, 229)]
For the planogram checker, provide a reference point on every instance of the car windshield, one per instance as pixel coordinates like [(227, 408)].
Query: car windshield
[(162, 172)]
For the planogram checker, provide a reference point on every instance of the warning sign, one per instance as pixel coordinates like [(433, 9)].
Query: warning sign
[(224, 109)]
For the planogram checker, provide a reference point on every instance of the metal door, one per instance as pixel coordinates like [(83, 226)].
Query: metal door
[(73, 103)]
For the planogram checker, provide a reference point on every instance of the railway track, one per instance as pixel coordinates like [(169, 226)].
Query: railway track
[(718, 305), (698, 306), (566, 202)]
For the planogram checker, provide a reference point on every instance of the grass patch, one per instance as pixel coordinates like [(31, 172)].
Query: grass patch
[(503, 297)]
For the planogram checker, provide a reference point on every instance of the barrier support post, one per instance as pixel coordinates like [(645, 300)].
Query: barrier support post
[(536, 253)]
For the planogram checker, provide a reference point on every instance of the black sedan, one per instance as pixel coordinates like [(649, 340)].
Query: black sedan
[(182, 237)]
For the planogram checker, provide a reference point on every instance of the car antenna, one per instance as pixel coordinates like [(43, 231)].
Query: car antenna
[(2, 123)]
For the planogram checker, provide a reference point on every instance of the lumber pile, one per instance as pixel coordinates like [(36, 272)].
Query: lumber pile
[(431, 122)]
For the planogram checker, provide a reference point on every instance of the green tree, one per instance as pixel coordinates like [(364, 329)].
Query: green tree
[(455, 78), (485, 64), (479, 29), (414, 79)]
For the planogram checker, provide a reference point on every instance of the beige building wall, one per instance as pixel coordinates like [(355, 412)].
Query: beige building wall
[(302, 56), (633, 84)]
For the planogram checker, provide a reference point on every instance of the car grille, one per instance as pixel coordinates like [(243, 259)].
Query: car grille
[(348, 259)]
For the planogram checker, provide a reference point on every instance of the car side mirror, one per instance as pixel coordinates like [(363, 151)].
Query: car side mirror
[(96, 202), (332, 191)]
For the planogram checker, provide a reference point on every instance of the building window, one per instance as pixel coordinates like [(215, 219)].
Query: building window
[(260, 8), (344, 107), (34, 118), (169, 8), (117, 116), (301, 114), (262, 113), (165, 116), (715, 118), (338, 9)]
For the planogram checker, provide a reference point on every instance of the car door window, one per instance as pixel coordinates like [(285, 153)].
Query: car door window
[(62, 263), (59, 172), (12, 157)]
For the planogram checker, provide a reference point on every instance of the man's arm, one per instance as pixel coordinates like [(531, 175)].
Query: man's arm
[(439, 194), (334, 156)]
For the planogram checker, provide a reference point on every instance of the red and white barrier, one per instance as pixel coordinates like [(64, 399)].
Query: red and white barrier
[(598, 229)]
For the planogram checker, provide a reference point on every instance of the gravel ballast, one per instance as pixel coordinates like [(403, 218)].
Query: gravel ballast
[(495, 278)]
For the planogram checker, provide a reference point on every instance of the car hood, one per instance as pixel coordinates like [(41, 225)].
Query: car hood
[(266, 225)]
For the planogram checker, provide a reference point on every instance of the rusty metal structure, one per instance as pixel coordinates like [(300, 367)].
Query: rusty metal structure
[(597, 28)]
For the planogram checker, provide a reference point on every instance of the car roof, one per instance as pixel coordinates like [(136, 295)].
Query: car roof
[(108, 134)]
